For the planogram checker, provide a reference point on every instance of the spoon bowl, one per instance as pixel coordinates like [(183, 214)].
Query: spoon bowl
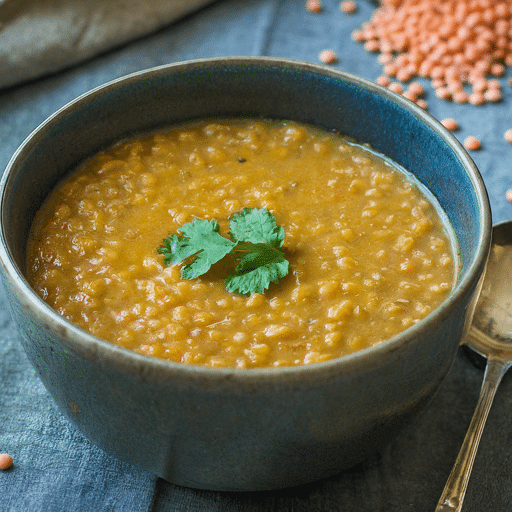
[(490, 336), (491, 330)]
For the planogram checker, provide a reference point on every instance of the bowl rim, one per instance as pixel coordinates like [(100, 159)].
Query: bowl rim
[(150, 368)]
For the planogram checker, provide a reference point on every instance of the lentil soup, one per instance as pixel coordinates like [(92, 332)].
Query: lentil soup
[(369, 252)]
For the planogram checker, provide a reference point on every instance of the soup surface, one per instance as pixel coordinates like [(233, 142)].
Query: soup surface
[(369, 254)]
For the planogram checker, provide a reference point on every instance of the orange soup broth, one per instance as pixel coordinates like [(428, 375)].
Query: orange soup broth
[(370, 253)]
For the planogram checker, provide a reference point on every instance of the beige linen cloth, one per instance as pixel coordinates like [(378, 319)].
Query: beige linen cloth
[(38, 37)]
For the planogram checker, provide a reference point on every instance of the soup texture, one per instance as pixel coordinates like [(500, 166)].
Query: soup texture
[(369, 253)]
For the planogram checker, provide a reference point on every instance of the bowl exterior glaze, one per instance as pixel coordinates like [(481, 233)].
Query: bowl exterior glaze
[(242, 429)]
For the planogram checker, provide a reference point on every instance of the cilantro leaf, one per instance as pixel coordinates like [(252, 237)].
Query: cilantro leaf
[(200, 238), (260, 264), (256, 226), (256, 242)]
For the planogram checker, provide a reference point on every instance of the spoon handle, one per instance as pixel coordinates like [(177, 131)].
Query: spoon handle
[(457, 483)]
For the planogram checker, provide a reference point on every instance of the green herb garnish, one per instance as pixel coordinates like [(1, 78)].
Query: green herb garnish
[(255, 242)]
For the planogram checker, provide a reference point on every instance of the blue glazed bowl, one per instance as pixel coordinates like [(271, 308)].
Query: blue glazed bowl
[(242, 429)]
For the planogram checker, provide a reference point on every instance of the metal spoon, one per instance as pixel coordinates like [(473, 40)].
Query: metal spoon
[(490, 336)]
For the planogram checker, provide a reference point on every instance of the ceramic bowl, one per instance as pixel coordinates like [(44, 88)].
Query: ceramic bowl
[(242, 429)]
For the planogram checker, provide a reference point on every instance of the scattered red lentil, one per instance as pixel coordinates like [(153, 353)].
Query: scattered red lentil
[(409, 95), (492, 95), (404, 74), (497, 69), (357, 35), (508, 135), (422, 103), (416, 88), (371, 46), (348, 7), (437, 83), (314, 6), (396, 87), (472, 143), (385, 58), (384, 80), (480, 85), (443, 93), (460, 97), (457, 44), (5, 461), (390, 69), (450, 124), (328, 57), (477, 98), (508, 194)]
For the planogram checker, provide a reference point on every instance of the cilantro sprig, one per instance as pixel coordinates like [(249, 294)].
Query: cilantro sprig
[(255, 242)]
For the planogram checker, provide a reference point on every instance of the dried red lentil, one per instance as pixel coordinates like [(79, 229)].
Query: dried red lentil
[(477, 98), (396, 87), (416, 88), (409, 95), (508, 135), (508, 195), (348, 7), (5, 461), (384, 80), (328, 57), (472, 143), (450, 124), (455, 43), (492, 95), (314, 6), (422, 103), (461, 97)]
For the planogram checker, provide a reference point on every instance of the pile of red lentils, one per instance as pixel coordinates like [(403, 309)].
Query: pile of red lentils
[(461, 46), (457, 44)]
